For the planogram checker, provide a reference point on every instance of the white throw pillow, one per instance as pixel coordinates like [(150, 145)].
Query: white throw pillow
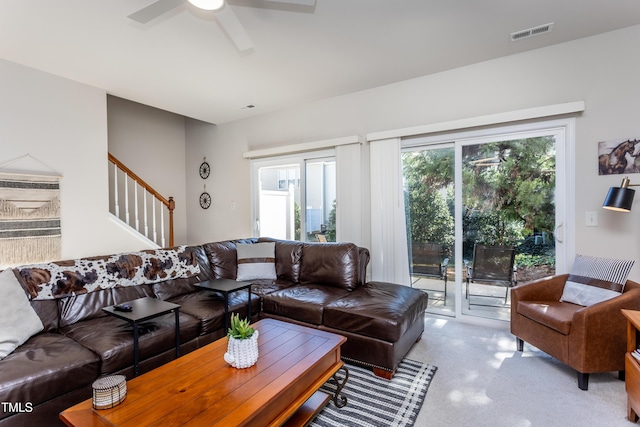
[(18, 320), (256, 261), (593, 280)]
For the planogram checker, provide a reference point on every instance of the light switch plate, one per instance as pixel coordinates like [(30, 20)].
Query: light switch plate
[(591, 219)]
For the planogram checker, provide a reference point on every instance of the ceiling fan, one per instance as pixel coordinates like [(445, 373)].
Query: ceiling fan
[(223, 13)]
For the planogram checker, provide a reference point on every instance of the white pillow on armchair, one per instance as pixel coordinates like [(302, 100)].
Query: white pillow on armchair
[(593, 280)]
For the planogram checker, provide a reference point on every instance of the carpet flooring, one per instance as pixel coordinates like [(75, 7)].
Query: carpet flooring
[(373, 401), (483, 381)]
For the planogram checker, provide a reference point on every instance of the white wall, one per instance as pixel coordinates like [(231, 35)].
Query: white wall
[(600, 70), (63, 125), (229, 216), (152, 144)]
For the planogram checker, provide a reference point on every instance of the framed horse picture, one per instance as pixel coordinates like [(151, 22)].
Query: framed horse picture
[(619, 157)]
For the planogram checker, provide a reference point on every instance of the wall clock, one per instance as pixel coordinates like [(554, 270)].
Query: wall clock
[(205, 200), (205, 170)]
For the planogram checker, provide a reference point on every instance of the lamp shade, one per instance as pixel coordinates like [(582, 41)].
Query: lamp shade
[(619, 199)]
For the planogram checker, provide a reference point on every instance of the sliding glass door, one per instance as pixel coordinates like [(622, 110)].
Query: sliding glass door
[(320, 206), (484, 212), (295, 197), (279, 198), (508, 218), (429, 195)]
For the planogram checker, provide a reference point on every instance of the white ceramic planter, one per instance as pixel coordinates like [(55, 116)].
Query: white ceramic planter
[(242, 353)]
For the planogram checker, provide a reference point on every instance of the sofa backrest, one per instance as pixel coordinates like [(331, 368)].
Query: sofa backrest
[(84, 306), (47, 311), (79, 288), (75, 308), (61, 279), (331, 264), (175, 287), (334, 264), (223, 257), (288, 258), (341, 265), (88, 306)]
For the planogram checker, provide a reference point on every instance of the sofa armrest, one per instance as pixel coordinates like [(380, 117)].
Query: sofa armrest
[(603, 328), (545, 289), (364, 256)]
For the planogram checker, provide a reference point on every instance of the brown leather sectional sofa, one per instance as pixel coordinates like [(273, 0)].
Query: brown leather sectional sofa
[(321, 285)]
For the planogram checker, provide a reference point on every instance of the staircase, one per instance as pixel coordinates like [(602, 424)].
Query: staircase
[(138, 205)]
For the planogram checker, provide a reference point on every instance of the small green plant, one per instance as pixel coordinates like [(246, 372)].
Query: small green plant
[(240, 329)]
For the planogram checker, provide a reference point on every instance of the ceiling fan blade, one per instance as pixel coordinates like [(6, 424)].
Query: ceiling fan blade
[(154, 10), (301, 2), (234, 29)]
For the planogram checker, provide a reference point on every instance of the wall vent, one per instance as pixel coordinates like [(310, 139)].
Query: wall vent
[(530, 32)]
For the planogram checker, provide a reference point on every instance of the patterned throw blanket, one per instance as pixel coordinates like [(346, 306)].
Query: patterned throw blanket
[(61, 279)]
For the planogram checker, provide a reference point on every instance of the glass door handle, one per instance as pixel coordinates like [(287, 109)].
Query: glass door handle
[(559, 227)]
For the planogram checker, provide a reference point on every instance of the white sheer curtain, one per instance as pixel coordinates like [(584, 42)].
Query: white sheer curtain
[(349, 194), (389, 258)]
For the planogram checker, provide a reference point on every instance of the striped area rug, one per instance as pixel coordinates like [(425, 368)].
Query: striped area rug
[(373, 401)]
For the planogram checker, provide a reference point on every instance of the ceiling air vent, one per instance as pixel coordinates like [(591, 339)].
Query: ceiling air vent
[(530, 32)]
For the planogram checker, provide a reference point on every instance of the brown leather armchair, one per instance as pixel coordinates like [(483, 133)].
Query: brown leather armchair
[(588, 339)]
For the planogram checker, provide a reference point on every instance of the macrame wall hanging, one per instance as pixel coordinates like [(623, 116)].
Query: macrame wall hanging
[(29, 214)]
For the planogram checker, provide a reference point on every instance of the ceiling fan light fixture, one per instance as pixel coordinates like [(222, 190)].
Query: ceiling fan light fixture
[(207, 4)]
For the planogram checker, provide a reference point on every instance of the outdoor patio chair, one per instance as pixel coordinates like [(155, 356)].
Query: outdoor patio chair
[(427, 260), (491, 265)]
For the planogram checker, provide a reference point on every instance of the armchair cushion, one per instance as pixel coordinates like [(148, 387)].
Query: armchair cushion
[(552, 314), (593, 280)]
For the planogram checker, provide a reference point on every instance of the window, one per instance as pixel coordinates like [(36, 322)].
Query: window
[(288, 177)]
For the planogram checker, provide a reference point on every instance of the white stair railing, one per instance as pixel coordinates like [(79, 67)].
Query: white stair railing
[(127, 192)]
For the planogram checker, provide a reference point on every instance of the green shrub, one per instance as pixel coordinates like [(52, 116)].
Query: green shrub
[(525, 260)]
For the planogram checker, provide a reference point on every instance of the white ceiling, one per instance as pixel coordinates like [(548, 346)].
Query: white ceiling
[(185, 63)]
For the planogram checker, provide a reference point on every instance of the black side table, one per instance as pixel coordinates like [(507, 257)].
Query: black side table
[(225, 287), (145, 309)]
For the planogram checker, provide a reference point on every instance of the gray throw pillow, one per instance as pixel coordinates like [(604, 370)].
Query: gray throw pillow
[(18, 320), (256, 261)]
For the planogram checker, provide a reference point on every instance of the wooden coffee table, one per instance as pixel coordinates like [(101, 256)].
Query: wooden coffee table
[(201, 389)]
